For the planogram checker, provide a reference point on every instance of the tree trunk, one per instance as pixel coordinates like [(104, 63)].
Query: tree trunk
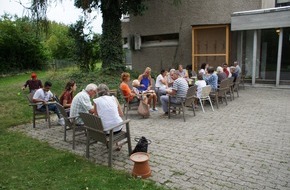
[(111, 41)]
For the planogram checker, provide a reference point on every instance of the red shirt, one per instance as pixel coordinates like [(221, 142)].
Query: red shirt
[(68, 96), (33, 84), (226, 71)]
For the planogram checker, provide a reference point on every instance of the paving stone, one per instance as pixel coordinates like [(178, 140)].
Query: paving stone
[(244, 145)]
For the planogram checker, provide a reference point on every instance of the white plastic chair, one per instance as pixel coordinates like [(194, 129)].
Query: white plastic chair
[(205, 96)]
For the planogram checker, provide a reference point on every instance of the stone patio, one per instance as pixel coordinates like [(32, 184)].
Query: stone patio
[(244, 145)]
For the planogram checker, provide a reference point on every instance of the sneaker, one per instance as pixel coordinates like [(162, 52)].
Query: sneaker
[(61, 121), (155, 109), (151, 109)]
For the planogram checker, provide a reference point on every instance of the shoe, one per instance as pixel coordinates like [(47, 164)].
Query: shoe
[(61, 121), (151, 109), (166, 113), (173, 112), (155, 109)]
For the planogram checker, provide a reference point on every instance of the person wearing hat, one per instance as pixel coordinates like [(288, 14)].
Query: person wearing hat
[(33, 83)]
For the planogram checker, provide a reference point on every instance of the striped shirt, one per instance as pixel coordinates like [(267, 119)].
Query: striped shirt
[(180, 86)]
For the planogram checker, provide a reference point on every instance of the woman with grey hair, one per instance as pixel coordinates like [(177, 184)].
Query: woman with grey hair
[(108, 109), (221, 74)]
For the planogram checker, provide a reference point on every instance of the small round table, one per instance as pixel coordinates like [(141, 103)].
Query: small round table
[(141, 165)]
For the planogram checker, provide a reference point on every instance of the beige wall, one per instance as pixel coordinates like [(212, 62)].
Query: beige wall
[(268, 4), (162, 18)]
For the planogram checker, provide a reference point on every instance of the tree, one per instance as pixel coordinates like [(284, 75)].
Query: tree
[(20, 48), (58, 41), (85, 53), (112, 10)]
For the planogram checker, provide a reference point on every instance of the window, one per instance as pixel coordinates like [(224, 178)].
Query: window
[(282, 3), (160, 40)]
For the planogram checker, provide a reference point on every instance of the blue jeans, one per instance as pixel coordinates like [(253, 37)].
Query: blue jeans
[(51, 107), (164, 101)]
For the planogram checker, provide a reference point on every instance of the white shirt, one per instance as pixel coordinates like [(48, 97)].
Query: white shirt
[(43, 95), (159, 83), (200, 84), (202, 71), (107, 109)]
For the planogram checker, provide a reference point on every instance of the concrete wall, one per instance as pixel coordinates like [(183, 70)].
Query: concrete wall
[(269, 18), (162, 17), (268, 4)]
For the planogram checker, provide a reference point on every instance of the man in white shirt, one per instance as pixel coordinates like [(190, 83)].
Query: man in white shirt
[(44, 95), (161, 82), (82, 102)]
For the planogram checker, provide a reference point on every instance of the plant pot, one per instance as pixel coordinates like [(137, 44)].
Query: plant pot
[(141, 167)]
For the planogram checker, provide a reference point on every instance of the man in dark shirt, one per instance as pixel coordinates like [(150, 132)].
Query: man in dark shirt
[(33, 84)]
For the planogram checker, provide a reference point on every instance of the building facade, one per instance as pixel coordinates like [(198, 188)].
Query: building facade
[(197, 31)]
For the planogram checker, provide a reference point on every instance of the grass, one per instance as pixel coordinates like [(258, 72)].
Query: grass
[(26, 163)]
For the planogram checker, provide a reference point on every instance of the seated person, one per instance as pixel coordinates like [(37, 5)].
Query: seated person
[(67, 95), (203, 68), (108, 109), (226, 70), (211, 79), (145, 86), (200, 83), (182, 72), (221, 75), (33, 83), (234, 73), (44, 95), (169, 79), (129, 94), (238, 70), (140, 96), (82, 102), (161, 82), (191, 73), (145, 80), (136, 84), (178, 91)]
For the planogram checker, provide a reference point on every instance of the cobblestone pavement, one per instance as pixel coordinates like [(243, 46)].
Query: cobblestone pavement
[(244, 145)]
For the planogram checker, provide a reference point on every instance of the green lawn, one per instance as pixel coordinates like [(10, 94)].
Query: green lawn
[(26, 163)]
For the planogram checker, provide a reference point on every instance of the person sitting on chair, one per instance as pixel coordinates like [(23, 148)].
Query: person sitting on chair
[(182, 72), (82, 102), (211, 79), (44, 95), (108, 109), (178, 91), (33, 83), (221, 74), (67, 95), (129, 94), (145, 86), (161, 82)]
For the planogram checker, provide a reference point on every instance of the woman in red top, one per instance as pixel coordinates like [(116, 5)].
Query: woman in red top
[(127, 92), (67, 96)]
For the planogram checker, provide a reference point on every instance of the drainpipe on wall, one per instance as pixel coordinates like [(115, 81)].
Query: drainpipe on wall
[(279, 57), (255, 40)]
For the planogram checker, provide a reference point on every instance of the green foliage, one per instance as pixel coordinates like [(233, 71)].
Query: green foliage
[(20, 47), (86, 53), (58, 41)]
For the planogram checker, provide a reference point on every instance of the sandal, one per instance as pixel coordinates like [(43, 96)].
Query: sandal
[(119, 148)]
